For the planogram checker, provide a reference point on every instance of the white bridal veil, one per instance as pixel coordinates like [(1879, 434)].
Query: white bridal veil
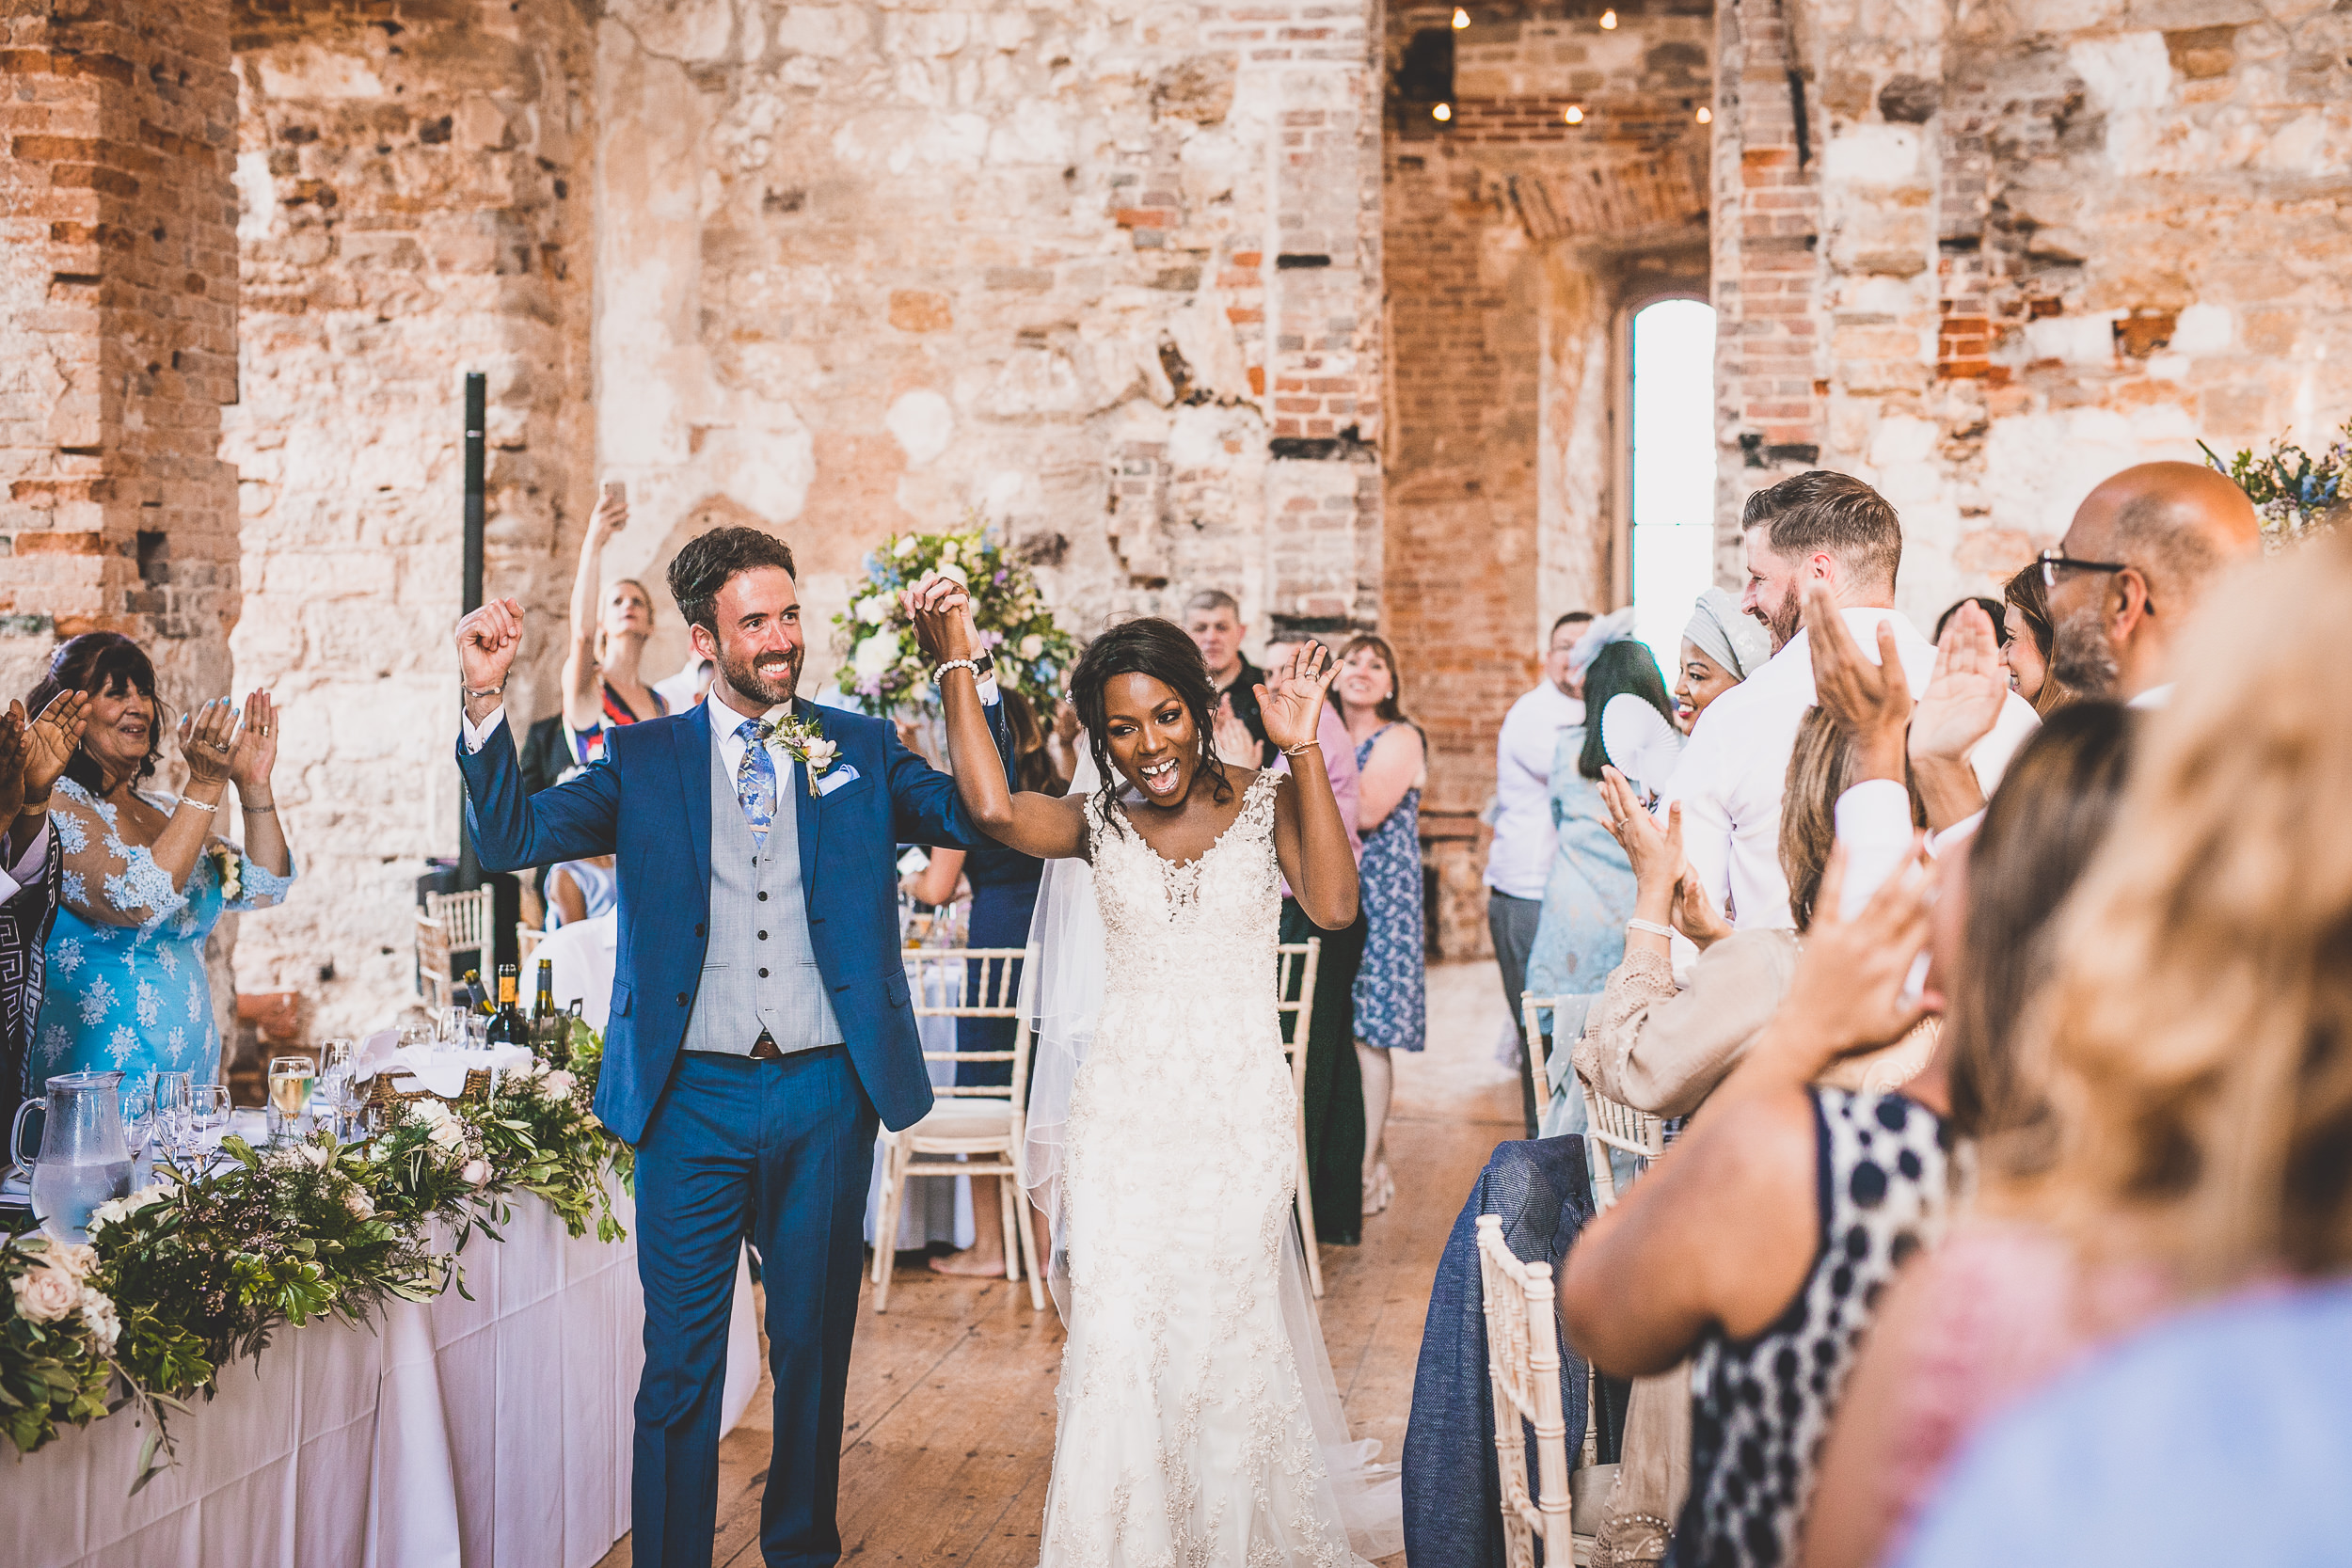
[(1063, 987)]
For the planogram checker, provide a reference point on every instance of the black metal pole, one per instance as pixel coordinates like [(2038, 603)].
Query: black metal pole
[(477, 394)]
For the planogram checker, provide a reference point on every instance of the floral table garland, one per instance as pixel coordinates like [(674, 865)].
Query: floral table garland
[(200, 1270)]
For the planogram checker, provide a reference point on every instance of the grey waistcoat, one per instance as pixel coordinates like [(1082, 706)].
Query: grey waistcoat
[(759, 970)]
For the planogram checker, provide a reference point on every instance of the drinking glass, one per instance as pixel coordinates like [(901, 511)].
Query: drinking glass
[(208, 1113), (336, 1087), (477, 1032), (290, 1081), (452, 1028), (416, 1037), (138, 1098), (174, 1094)]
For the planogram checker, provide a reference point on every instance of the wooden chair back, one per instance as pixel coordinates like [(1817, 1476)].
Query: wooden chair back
[(1523, 1366), (997, 995), (1608, 1124)]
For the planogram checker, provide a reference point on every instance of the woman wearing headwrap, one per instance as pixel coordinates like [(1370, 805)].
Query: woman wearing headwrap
[(1721, 648)]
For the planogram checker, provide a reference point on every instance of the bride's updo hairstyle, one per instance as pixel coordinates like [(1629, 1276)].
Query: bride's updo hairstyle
[(1162, 650)]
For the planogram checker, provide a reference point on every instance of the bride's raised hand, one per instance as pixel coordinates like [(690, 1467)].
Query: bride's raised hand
[(940, 609), (1290, 704)]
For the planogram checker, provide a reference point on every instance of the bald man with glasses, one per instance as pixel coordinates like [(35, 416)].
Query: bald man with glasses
[(2139, 556)]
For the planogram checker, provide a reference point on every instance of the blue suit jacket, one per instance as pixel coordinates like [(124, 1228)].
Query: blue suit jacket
[(648, 803)]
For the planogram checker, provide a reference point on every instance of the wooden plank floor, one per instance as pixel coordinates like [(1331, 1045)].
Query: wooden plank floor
[(949, 1435)]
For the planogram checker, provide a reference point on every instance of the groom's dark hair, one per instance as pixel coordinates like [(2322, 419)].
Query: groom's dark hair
[(709, 561), (1164, 651)]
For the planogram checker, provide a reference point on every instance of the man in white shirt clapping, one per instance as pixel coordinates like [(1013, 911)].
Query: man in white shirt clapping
[(1519, 858), (1817, 526)]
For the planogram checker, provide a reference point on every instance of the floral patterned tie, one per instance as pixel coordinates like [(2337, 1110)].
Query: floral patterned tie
[(755, 779)]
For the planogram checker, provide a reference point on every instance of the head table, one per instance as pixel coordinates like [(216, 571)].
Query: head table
[(490, 1430)]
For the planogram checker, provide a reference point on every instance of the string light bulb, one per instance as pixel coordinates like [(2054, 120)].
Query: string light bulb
[(1443, 111), (1707, 115), (1461, 18), (1608, 21), (1573, 113)]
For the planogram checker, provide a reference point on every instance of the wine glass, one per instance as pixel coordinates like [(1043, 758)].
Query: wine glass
[(208, 1113), (290, 1081), (452, 1028), (138, 1098), (174, 1094)]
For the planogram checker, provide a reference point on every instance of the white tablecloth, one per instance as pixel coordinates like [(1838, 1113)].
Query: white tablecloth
[(495, 1431)]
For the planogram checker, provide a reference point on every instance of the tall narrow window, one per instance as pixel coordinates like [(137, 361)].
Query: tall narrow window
[(1673, 470)]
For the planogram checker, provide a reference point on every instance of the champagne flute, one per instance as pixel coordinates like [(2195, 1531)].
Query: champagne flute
[(138, 1098), (336, 1061), (290, 1081), (174, 1094)]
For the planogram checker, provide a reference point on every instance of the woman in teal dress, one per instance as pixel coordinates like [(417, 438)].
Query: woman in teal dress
[(1589, 895), (147, 874)]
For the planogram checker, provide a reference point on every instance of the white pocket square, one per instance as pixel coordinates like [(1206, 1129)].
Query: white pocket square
[(833, 778)]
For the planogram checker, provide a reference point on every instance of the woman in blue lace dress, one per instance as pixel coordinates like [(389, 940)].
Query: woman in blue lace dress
[(1392, 1012), (149, 874)]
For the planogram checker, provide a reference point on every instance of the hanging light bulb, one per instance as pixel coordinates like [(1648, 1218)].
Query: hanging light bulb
[(1608, 21), (1707, 115), (1461, 18), (1443, 111), (1573, 113)]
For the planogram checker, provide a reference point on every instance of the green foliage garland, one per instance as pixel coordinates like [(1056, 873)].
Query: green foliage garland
[(200, 1270), (2293, 493)]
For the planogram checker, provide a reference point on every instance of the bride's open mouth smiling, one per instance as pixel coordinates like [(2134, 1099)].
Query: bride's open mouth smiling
[(1160, 779)]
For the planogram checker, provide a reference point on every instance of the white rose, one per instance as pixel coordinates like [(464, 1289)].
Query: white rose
[(874, 610), (946, 554), (905, 547), (44, 1294), (116, 1209), (1032, 645), (949, 569), (875, 655), (820, 753), (447, 1133), (474, 1172), (98, 1317), (316, 1155), (556, 1087), (361, 1206), (74, 1259)]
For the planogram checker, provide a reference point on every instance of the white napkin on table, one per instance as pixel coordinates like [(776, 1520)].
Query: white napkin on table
[(444, 1071)]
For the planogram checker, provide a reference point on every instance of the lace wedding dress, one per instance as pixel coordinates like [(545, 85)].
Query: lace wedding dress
[(1197, 1425)]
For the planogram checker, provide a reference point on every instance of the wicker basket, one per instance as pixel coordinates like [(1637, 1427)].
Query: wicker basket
[(382, 1096)]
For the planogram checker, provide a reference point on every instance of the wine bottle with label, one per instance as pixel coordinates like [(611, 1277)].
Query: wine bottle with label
[(506, 1025), (470, 995), (546, 1022)]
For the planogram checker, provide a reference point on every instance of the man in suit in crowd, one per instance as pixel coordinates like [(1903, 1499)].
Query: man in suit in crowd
[(761, 1020)]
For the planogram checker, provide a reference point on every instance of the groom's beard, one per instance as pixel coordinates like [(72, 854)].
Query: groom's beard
[(746, 679)]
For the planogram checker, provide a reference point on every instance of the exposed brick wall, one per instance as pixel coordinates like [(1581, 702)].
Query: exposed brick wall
[(417, 196), (1514, 241), (118, 323)]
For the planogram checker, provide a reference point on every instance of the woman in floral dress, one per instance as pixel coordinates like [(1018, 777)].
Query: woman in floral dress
[(1392, 1013), (149, 874)]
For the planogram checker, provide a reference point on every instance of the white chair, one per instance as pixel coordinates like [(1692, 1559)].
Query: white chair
[(463, 924), (1608, 1124), (1523, 1366), (526, 938), (985, 1123), (1296, 960)]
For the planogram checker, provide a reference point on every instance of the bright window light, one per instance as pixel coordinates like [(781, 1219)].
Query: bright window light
[(1673, 470)]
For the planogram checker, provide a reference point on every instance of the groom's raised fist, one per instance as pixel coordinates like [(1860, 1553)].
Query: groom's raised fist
[(487, 641)]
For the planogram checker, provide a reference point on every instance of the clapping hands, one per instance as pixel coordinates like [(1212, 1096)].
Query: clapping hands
[(1660, 871)]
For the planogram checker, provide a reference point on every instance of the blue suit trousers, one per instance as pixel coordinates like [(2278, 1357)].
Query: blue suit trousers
[(780, 1150)]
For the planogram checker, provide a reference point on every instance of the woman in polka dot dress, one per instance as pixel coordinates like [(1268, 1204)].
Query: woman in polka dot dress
[(1759, 1249)]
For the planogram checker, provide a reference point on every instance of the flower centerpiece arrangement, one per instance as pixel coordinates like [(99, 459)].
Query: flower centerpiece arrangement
[(884, 667), (2293, 493), (203, 1268)]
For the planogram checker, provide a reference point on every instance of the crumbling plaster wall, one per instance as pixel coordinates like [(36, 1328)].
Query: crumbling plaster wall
[(1514, 243), (2054, 239), (416, 203), (1100, 274)]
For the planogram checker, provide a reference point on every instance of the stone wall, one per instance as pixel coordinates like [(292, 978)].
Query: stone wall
[(2054, 240), (1101, 274), (119, 332), (1517, 243), (416, 195)]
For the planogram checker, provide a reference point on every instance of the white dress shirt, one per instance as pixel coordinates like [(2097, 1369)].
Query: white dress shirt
[(28, 870), (1519, 859), (1734, 771)]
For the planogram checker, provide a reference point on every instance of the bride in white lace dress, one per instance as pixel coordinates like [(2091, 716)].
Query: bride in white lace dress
[(1198, 1427)]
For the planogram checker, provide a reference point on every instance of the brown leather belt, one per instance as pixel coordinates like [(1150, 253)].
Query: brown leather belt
[(765, 1049)]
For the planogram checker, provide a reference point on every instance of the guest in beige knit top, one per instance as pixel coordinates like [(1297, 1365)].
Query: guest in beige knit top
[(1663, 1050)]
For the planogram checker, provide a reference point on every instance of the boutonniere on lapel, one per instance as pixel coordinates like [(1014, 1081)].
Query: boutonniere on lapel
[(804, 739)]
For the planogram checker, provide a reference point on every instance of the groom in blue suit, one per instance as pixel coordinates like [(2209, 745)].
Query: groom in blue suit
[(760, 1019)]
